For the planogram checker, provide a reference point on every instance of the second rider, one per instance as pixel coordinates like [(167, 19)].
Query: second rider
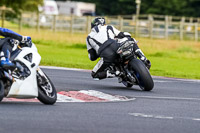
[(101, 42)]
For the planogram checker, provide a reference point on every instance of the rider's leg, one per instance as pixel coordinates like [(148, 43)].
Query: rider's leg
[(99, 70), (108, 56), (5, 56)]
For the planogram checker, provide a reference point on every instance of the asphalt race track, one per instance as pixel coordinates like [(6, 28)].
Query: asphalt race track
[(173, 106)]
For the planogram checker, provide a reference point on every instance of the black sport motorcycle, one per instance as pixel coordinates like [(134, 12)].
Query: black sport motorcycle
[(130, 70)]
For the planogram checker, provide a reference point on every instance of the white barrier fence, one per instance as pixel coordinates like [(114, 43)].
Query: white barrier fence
[(152, 26)]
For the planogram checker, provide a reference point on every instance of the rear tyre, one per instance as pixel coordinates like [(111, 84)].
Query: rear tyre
[(46, 91), (142, 74), (1, 91)]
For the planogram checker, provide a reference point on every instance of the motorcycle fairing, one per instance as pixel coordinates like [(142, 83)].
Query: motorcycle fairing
[(26, 88)]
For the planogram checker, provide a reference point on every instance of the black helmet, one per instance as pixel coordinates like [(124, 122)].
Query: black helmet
[(97, 21)]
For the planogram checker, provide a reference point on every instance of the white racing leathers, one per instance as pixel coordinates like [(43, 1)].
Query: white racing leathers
[(101, 43)]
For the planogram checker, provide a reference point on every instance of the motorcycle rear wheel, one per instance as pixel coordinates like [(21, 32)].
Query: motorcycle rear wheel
[(142, 74), (46, 91), (1, 91)]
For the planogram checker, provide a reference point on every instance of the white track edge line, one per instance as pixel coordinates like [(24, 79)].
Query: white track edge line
[(170, 98), (86, 70)]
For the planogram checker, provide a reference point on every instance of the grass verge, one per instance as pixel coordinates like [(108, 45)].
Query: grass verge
[(181, 61), (171, 58)]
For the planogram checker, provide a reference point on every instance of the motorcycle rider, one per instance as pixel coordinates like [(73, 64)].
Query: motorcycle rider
[(6, 46), (101, 43)]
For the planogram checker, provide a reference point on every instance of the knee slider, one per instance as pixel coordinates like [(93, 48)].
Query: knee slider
[(93, 74)]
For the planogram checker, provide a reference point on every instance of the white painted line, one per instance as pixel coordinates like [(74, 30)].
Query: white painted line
[(64, 68), (85, 70), (162, 81), (141, 115), (169, 98), (196, 119), (161, 116), (150, 116), (177, 79)]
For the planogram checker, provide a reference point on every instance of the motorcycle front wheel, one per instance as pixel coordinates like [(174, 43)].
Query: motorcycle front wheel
[(142, 74), (46, 91)]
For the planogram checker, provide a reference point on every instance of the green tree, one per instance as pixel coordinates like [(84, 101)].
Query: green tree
[(162, 7), (19, 6), (112, 7), (168, 7)]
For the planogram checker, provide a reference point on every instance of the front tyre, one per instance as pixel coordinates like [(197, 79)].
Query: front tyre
[(1, 90), (46, 91), (142, 74)]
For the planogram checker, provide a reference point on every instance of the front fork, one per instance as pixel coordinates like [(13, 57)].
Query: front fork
[(41, 77), (130, 75)]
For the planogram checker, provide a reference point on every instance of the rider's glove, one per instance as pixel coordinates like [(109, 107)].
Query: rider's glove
[(26, 39)]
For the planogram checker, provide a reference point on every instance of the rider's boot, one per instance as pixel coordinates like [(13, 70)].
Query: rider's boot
[(112, 73), (5, 61), (109, 74)]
